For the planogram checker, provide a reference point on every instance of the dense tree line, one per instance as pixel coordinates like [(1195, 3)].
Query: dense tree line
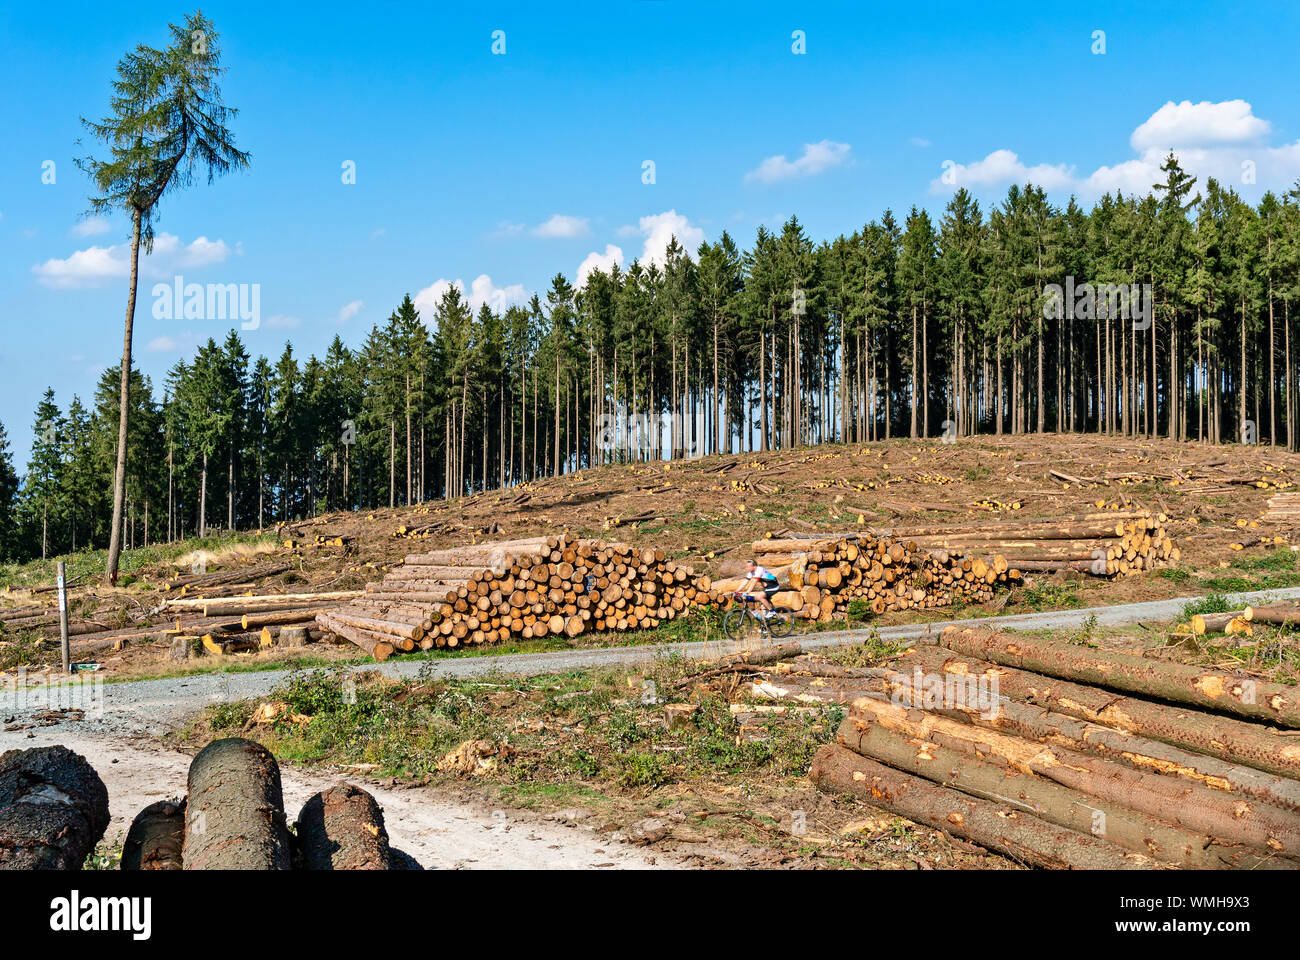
[(984, 322)]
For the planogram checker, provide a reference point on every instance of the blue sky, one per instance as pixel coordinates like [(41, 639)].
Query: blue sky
[(497, 171)]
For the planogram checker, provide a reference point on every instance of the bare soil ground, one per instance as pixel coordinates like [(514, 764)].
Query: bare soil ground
[(705, 511)]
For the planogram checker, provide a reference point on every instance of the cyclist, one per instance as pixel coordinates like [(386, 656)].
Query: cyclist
[(761, 575)]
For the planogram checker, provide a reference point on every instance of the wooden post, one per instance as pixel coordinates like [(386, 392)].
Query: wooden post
[(63, 619)]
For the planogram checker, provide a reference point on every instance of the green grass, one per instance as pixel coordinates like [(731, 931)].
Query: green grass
[(106, 856), (1051, 596), (1271, 570), (1283, 559), (1214, 603), (1241, 584), (588, 727)]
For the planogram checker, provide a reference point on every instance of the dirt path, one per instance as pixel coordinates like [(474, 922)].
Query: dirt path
[(441, 834)]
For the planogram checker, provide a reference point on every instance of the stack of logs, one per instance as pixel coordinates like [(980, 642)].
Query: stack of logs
[(1110, 543), (1058, 755), (530, 588), (822, 575), (214, 612), (1284, 509), (238, 624)]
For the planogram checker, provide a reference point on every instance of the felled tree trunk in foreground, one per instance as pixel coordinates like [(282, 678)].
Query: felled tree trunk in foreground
[(1182, 683), (341, 829), (156, 837), (1235, 741), (235, 816), (1003, 829), (1050, 801), (1033, 722), (1179, 802), (53, 809)]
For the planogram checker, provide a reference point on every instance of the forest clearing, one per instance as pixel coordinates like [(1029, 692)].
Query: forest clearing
[(707, 763), (708, 515)]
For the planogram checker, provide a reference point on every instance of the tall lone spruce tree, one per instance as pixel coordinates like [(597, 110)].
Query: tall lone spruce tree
[(166, 121)]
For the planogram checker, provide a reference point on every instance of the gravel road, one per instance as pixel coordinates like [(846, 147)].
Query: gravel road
[(155, 706)]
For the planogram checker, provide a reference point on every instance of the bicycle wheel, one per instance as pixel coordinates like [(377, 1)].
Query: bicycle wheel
[(740, 625), (780, 624)]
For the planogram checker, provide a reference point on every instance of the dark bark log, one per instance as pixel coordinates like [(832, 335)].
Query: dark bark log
[(235, 818), (53, 809), (341, 829), (1182, 683), (1003, 829), (400, 860), (156, 837)]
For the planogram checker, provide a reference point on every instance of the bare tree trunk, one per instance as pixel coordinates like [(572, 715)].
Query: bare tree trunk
[(119, 472), (203, 497)]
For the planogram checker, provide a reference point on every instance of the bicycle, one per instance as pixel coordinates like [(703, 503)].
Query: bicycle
[(742, 622)]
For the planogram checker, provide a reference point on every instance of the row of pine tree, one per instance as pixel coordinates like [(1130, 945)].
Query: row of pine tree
[(920, 329)]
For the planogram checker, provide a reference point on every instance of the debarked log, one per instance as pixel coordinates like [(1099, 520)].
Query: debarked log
[(996, 826), (1050, 801), (1182, 683)]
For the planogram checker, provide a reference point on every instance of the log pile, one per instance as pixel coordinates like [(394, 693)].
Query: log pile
[(530, 588), (220, 611), (240, 624), (821, 575), (1058, 755), (1108, 543), (1283, 509), (242, 575)]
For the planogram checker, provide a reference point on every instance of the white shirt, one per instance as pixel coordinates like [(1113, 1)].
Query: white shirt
[(762, 573)]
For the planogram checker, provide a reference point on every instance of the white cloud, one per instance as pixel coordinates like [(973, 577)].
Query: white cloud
[(816, 158), (561, 226), (83, 268), (178, 343), (1004, 167), (349, 310), (920, 142), (96, 264), (604, 262), (482, 290), (91, 227), (1220, 140), (1203, 124), (661, 227), (656, 230), (281, 322)]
